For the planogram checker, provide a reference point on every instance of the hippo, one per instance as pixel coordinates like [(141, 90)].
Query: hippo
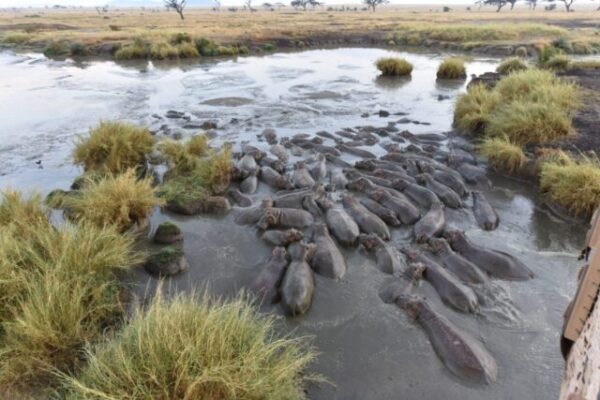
[(401, 285), (326, 135), (274, 163), (392, 175), (282, 238), (252, 216), (472, 174), (240, 198), (337, 179), (294, 199), (341, 225), (298, 285), (249, 184), (451, 290), (280, 152), (486, 216), (270, 135), (247, 165), (432, 224), (459, 155), (463, 355), (389, 260), (422, 196), (355, 151), (319, 169), (400, 205), (285, 218), (248, 149), (443, 192), (327, 259), (366, 220), (309, 203), (453, 180), (275, 179), (338, 162), (464, 269), (496, 263), (372, 165), (266, 283), (386, 215), (301, 177)]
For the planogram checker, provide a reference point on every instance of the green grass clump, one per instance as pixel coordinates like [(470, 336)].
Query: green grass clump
[(473, 110), (511, 65), (57, 48), (502, 154), (113, 147), (574, 184), (585, 64), (582, 48), (180, 38), (269, 47), (452, 68), (559, 62), (163, 51), (187, 50), (118, 200), (16, 38), (58, 293), (195, 348), (140, 48), (78, 49), (546, 53), (183, 158), (392, 66)]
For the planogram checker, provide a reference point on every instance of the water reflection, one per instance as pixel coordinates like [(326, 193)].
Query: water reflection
[(392, 82)]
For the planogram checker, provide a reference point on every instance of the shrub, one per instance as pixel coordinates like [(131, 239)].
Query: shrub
[(16, 38), (24, 213), (575, 184), (198, 349), (269, 47), (452, 68), (187, 50), (184, 158), (206, 47), (546, 53), (140, 48), (586, 64), (521, 51), (558, 62), (163, 51), (582, 48), (57, 48), (472, 111), (502, 154), (119, 200), (392, 66), (511, 65), (113, 147), (563, 44), (180, 38), (78, 49)]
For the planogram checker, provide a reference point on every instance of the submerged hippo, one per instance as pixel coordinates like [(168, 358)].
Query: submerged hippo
[(301, 177), (386, 215), (266, 283), (337, 180), (247, 165), (241, 199), (432, 224), (392, 175), (340, 224), (249, 184), (400, 205), (327, 259), (284, 218), (462, 354), (355, 151), (282, 238), (366, 220), (319, 169), (401, 286), (472, 174), (294, 198), (452, 292), (446, 194), (298, 285), (496, 263), (464, 269), (275, 179), (274, 163), (389, 260), (486, 216), (422, 196), (252, 215), (280, 152)]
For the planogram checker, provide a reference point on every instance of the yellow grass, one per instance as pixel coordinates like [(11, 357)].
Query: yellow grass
[(392, 66), (472, 111), (510, 65), (452, 68), (502, 154)]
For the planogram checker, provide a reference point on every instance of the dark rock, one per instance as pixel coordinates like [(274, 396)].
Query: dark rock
[(168, 233), (207, 125), (166, 262), (172, 114), (384, 113)]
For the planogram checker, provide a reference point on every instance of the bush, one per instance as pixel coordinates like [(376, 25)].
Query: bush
[(119, 200), (582, 48), (546, 53), (574, 184), (521, 51), (57, 48), (198, 349), (187, 50), (502, 154), (78, 49), (392, 66), (184, 158), (16, 38), (140, 48), (206, 48), (269, 47), (586, 64), (180, 38), (113, 147), (559, 62), (473, 110), (163, 51), (511, 65), (452, 68)]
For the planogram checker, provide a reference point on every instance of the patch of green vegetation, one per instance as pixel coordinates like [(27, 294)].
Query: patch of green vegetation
[(196, 348), (521, 51), (184, 158), (113, 147), (168, 228), (392, 66), (180, 38), (269, 47), (187, 50), (546, 53), (582, 48), (16, 38), (585, 64), (511, 65), (573, 183), (140, 48), (163, 51), (57, 48), (452, 68), (117, 200), (473, 110), (559, 62), (502, 154), (78, 49)]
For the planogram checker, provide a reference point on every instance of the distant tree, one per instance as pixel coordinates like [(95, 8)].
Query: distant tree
[(304, 4), (217, 5), (532, 4), (279, 6), (372, 4), (177, 5), (497, 3), (568, 3), (550, 7)]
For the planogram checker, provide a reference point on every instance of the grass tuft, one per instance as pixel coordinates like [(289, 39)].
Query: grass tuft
[(452, 68), (195, 348), (16, 38), (473, 110), (113, 147), (118, 200), (502, 154), (511, 65), (559, 62), (392, 66)]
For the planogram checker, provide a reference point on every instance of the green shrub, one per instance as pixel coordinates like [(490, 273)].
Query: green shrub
[(546, 53), (57, 48), (559, 62), (452, 68), (586, 64), (511, 65), (574, 184), (195, 348), (582, 48), (180, 38), (392, 66), (118, 200), (206, 47), (163, 51), (473, 110), (184, 158), (140, 48), (269, 47), (502, 154), (563, 44), (78, 49), (113, 147), (16, 38), (187, 50)]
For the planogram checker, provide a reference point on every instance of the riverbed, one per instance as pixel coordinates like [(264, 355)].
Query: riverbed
[(368, 349)]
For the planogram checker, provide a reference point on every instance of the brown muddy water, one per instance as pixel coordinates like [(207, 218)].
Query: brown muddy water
[(368, 349)]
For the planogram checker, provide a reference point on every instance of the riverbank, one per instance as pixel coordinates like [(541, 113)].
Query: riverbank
[(86, 32)]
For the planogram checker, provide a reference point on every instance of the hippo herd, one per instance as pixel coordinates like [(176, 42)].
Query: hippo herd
[(306, 199)]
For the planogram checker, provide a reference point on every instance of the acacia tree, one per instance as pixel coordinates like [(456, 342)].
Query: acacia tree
[(568, 3), (532, 4), (177, 5), (304, 3), (497, 3), (372, 4)]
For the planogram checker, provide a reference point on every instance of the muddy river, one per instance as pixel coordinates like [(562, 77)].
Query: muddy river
[(368, 349)]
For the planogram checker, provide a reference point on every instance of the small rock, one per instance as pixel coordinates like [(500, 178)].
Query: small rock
[(192, 125), (442, 97), (168, 233), (384, 113), (206, 125), (172, 114), (156, 116), (404, 121), (166, 262), (364, 115)]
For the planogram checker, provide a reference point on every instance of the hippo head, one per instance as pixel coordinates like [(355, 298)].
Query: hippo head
[(415, 271), (413, 148), (400, 184), (453, 236), (317, 140), (269, 218), (351, 173), (278, 166), (425, 167), (284, 183), (436, 244), (266, 203), (370, 242), (422, 178), (377, 195), (411, 304), (410, 252), (366, 165), (391, 146), (293, 235), (300, 165), (359, 184), (279, 253), (319, 190)]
